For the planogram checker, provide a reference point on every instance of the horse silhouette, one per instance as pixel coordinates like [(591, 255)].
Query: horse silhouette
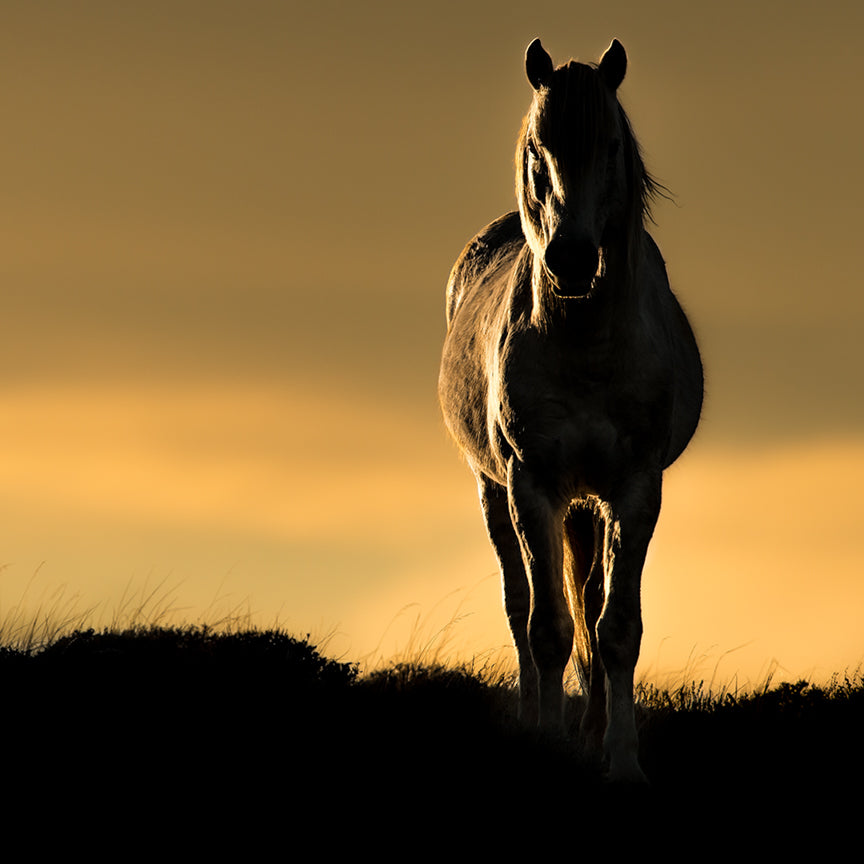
[(570, 379)]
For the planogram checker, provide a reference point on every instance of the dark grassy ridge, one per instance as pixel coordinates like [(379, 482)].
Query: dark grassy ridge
[(134, 731)]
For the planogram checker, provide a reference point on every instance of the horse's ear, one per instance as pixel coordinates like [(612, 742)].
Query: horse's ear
[(538, 65), (613, 65)]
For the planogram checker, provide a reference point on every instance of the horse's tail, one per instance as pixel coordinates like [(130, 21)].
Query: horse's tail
[(579, 552)]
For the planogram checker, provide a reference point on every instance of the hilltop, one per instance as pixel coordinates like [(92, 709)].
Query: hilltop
[(259, 728)]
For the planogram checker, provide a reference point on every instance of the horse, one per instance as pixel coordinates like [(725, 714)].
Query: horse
[(570, 379)]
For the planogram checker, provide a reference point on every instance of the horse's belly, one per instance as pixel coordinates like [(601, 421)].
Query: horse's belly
[(573, 455), (586, 444)]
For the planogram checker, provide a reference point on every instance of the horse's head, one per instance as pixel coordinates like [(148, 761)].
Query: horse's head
[(580, 181)]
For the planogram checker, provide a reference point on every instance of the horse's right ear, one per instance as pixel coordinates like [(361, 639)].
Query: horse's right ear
[(538, 65)]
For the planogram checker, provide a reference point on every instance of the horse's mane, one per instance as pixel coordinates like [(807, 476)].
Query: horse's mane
[(575, 108)]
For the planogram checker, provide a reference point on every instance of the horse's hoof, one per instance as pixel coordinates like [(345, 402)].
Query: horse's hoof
[(628, 774)]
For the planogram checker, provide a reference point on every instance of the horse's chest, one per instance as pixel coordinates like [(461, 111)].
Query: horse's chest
[(596, 415)]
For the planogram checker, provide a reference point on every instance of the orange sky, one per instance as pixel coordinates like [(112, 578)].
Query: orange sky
[(226, 230)]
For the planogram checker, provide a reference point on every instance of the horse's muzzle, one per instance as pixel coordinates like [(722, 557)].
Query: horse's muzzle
[(571, 265)]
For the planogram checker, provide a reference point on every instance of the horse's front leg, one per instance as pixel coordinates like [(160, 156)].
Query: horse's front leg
[(517, 594), (629, 527), (538, 519)]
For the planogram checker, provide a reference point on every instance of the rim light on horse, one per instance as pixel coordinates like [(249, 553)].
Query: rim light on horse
[(570, 379)]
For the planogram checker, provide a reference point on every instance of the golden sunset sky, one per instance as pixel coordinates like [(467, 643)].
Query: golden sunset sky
[(226, 232)]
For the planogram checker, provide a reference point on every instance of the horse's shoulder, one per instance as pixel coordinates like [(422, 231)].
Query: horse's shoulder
[(505, 229), (651, 245), (494, 246)]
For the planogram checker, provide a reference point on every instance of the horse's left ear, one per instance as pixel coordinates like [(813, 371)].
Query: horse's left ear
[(613, 65)]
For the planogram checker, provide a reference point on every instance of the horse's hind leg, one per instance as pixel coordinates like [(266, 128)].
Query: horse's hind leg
[(585, 530), (517, 594)]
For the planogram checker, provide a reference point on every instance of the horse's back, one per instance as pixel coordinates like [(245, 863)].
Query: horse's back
[(494, 249), (686, 363)]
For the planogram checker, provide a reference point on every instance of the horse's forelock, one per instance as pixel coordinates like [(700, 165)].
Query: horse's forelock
[(574, 115)]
